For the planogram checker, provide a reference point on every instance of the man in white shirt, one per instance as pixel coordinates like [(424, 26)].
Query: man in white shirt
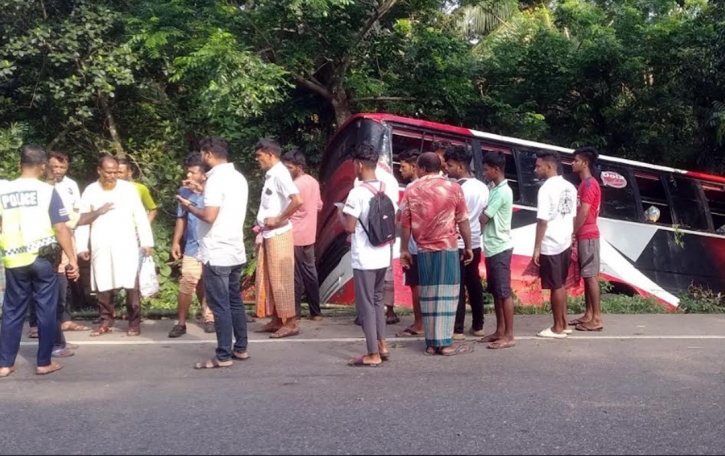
[(221, 249), (67, 188), (275, 285), (384, 174), (369, 262), (552, 250), (458, 163)]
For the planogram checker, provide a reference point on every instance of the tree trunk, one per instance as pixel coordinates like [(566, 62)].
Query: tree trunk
[(112, 128), (341, 105)]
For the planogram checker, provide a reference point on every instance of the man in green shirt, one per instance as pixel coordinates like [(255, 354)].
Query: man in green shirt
[(125, 172), (498, 249)]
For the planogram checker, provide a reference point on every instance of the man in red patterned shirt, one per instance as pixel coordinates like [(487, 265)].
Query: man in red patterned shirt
[(431, 209), (586, 233)]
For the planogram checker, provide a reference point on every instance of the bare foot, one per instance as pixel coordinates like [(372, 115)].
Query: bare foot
[(505, 342), (491, 338)]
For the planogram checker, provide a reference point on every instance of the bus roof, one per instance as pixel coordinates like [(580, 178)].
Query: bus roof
[(380, 117)]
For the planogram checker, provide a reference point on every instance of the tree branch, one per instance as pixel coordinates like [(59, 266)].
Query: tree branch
[(112, 128), (358, 100), (60, 136), (309, 85)]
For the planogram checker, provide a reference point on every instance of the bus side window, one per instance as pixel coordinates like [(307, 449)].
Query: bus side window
[(510, 171), (689, 208), (619, 199), (529, 184), (715, 195), (402, 141), (653, 194)]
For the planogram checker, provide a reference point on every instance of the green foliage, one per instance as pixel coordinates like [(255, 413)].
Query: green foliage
[(701, 300)]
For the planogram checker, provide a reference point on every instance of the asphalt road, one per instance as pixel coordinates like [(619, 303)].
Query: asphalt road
[(648, 384)]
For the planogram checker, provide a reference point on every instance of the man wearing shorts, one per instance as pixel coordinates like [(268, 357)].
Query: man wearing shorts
[(554, 229), (187, 227), (587, 237), (498, 249), (409, 171)]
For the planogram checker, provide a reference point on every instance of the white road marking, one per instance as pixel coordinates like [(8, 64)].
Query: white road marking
[(362, 339)]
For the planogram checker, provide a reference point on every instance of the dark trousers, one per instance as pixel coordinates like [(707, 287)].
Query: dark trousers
[(306, 279), (64, 312), (224, 297), (471, 281), (133, 307), (38, 280), (62, 304)]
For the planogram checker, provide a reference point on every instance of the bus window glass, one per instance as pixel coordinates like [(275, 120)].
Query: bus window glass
[(529, 184), (619, 199), (402, 141), (690, 212), (510, 171), (653, 195), (715, 195)]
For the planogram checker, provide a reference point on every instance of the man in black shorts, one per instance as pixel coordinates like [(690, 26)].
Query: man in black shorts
[(498, 249), (552, 251), (409, 171)]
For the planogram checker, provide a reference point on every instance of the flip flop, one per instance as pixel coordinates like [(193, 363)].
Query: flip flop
[(549, 334), (409, 332), (459, 350), (62, 353), (575, 322), (49, 369), (360, 362), (6, 371), (268, 328), (393, 321), (284, 332), (211, 364), (499, 345), (581, 327), (33, 333), (101, 330), (242, 356), (73, 326), (385, 356), (568, 331), (436, 350)]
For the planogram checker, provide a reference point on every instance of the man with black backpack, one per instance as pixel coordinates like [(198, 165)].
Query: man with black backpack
[(369, 215)]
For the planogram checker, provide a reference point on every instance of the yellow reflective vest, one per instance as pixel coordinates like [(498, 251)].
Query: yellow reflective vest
[(26, 224)]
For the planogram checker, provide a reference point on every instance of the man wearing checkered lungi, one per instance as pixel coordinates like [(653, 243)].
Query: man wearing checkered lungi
[(275, 275), (432, 208)]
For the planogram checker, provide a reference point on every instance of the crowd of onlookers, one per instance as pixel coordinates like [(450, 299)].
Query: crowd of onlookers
[(449, 220)]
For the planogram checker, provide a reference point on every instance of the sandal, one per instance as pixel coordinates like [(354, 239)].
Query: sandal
[(268, 328), (6, 371), (240, 355), (73, 326), (284, 332), (392, 321), (583, 327), (213, 363), (62, 353), (385, 356), (101, 330), (458, 350), (409, 332), (49, 369), (431, 351), (133, 332), (498, 345), (33, 332), (360, 362)]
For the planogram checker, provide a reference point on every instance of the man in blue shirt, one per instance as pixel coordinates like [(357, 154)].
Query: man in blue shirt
[(187, 227)]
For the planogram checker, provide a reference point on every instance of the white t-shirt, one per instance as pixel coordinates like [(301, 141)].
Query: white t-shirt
[(476, 194), (391, 185), (69, 193), (364, 255), (276, 192), (557, 205), (222, 243)]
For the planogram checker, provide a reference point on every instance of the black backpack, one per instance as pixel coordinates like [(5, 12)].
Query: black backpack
[(381, 217)]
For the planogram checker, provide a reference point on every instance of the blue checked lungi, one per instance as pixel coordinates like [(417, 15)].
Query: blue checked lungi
[(440, 277)]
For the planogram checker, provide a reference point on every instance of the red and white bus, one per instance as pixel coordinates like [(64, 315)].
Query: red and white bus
[(682, 248)]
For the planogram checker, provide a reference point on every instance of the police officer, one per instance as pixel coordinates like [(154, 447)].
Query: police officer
[(33, 234)]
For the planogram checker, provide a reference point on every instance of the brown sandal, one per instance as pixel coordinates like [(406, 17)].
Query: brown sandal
[(268, 328), (49, 369), (242, 356), (73, 326), (101, 330), (284, 332), (213, 363)]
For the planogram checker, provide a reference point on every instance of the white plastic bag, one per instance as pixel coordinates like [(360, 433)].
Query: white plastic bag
[(147, 280)]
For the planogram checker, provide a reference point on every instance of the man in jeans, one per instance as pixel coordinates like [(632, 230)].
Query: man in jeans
[(221, 250), (187, 227), (304, 232), (458, 163)]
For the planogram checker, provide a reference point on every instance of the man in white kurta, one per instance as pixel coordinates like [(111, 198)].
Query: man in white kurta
[(114, 246)]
